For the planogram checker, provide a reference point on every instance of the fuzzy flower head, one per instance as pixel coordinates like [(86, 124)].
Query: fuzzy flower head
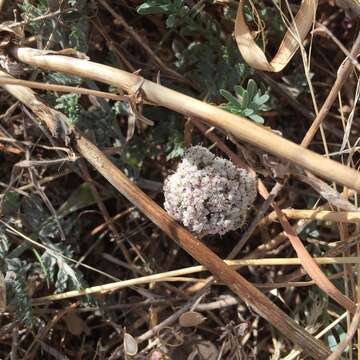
[(208, 194)]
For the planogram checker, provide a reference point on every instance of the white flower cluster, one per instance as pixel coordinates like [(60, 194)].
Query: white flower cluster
[(208, 194)]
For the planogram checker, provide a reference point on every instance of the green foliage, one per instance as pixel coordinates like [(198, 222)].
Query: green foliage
[(175, 147), (208, 56), (80, 198), (63, 79), (69, 105), (170, 137), (177, 12), (71, 31), (332, 341), (15, 282), (10, 203), (170, 8), (59, 271), (16, 291), (248, 102), (31, 11), (33, 212)]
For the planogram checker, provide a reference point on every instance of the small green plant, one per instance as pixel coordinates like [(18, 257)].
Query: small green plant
[(69, 104), (248, 102), (14, 271)]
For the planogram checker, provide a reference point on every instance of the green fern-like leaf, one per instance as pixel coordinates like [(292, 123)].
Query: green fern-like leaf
[(16, 291)]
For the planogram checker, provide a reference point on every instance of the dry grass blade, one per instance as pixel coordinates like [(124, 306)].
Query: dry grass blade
[(342, 75), (169, 275), (246, 291), (312, 268), (160, 95), (294, 36), (328, 193)]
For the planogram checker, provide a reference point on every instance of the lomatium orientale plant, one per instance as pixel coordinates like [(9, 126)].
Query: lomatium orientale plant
[(209, 194)]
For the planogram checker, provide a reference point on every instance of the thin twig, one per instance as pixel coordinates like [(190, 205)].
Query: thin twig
[(342, 75), (61, 88)]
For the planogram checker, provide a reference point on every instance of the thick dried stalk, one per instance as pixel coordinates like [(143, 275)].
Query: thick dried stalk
[(160, 95), (246, 291)]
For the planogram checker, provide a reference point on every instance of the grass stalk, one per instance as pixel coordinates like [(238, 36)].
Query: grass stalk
[(164, 276)]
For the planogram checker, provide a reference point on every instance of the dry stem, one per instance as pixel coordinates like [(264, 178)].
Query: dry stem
[(166, 276), (160, 95)]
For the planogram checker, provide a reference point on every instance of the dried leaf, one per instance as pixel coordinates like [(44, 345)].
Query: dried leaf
[(242, 328), (130, 345), (253, 54), (327, 192), (191, 319), (75, 324), (204, 350), (312, 268), (13, 67), (131, 123), (158, 355), (10, 34)]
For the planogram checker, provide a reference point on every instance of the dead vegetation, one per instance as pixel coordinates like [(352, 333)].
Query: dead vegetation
[(88, 268)]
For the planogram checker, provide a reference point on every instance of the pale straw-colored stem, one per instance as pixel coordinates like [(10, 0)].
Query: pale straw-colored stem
[(60, 88), (351, 217), (240, 127), (165, 276)]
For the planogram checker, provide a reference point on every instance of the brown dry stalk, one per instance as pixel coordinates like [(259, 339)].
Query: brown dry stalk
[(239, 285), (240, 127)]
